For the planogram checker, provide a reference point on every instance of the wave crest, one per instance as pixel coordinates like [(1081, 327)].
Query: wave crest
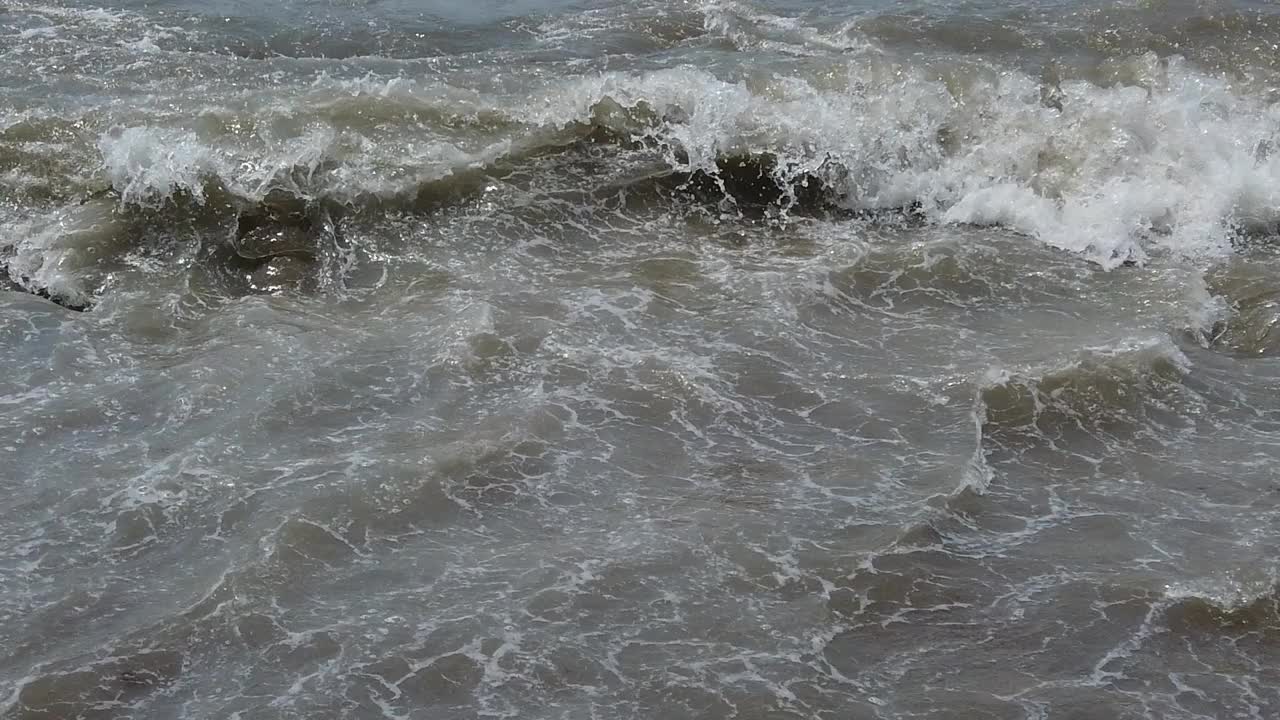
[(1110, 172), (1169, 161), (1103, 387), (1229, 606)]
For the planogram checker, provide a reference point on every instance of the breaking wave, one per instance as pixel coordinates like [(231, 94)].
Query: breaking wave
[(1103, 390), (1160, 157), (1225, 607), (1177, 160)]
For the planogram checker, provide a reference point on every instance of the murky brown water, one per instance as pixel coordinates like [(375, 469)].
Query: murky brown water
[(668, 360)]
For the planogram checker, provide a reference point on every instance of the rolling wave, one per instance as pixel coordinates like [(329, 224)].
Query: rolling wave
[(1112, 387), (1161, 158)]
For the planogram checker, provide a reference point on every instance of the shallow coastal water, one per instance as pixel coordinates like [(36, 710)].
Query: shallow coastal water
[(581, 359)]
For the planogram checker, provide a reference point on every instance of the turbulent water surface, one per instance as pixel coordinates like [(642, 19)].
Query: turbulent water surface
[(597, 359)]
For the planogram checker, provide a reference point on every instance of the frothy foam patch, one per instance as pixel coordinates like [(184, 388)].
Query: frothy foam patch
[(148, 166), (99, 17), (1179, 166), (747, 29), (1229, 592), (70, 25), (50, 253), (1179, 163), (1134, 355)]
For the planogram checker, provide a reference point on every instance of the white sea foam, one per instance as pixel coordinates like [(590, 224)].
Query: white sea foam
[(1116, 172), (1228, 592), (98, 17), (1177, 162), (748, 28), (50, 253), (149, 166)]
